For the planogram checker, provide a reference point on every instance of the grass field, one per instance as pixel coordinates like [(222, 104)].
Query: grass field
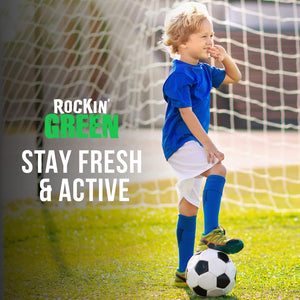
[(94, 253)]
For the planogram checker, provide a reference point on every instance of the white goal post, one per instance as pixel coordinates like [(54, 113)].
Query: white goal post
[(108, 49)]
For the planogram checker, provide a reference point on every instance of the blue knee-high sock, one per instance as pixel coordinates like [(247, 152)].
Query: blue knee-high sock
[(186, 230), (212, 195)]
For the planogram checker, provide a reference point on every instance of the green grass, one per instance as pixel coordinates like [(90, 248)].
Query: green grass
[(95, 253)]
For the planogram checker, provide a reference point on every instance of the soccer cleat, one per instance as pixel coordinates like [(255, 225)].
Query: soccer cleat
[(180, 279), (201, 247), (217, 240)]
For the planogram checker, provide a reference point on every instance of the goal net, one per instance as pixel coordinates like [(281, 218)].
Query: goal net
[(108, 49)]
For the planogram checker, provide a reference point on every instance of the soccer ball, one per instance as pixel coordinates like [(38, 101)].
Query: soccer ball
[(211, 273)]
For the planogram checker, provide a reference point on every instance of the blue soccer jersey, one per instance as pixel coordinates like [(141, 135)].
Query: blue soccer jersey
[(187, 86)]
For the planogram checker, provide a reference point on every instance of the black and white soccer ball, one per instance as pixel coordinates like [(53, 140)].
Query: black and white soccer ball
[(211, 273)]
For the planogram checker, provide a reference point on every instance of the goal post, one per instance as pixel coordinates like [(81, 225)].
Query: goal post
[(108, 49)]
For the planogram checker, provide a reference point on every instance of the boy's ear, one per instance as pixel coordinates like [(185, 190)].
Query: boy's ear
[(182, 46)]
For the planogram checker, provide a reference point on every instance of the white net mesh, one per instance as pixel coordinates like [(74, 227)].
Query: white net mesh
[(103, 49)]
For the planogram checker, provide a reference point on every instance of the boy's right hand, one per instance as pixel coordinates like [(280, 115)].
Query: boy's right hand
[(212, 153)]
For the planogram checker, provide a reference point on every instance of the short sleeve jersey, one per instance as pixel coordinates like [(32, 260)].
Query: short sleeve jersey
[(187, 86)]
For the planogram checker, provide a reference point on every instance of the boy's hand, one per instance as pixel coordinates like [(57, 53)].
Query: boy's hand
[(217, 52), (212, 152), (233, 73)]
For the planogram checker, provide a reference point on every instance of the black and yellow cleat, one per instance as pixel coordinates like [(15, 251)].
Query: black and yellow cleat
[(180, 279), (217, 240)]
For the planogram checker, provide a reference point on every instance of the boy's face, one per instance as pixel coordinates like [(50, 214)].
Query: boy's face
[(198, 44)]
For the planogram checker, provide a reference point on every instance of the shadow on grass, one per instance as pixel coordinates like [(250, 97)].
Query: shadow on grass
[(54, 241), (193, 296)]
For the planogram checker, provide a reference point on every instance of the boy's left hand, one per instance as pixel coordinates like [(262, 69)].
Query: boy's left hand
[(217, 52)]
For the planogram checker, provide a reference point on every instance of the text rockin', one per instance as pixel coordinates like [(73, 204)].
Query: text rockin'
[(81, 119)]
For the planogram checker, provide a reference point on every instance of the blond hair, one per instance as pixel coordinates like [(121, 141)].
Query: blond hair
[(181, 22)]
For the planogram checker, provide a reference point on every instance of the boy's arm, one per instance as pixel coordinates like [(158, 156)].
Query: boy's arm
[(197, 130), (233, 74)]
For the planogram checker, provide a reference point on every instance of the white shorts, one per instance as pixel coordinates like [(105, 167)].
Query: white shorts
[(189, 162)]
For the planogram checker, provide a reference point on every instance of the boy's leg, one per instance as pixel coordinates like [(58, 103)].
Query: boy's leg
[(186, 231), (186, 225), (212, 195), (214, 236)]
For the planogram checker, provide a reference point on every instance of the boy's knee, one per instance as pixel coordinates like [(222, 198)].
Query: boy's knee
[(221, 170), (187, 209), (217, 169)]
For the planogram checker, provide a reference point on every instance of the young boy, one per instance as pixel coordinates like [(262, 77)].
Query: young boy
[(187, 147)]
